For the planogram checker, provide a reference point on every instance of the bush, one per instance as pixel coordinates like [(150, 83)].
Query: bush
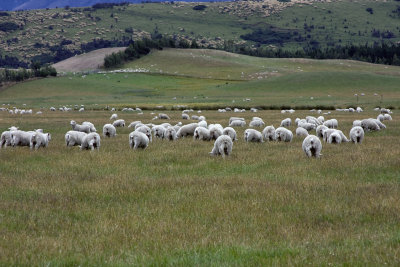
[(199, 7), (8, 26)]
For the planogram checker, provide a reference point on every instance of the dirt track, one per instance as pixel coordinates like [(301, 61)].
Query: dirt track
[(89, 61)]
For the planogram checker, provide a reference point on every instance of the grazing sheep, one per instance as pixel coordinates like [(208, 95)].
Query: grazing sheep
[(370, 125), (133, 124), (237, 123), (158, 131), (321, 119), (114, 116), (385, 111), (81, 109), (357, 134), (380, 117), (80, 128), (387, 117), (320, 130), (187, 130), (301, 132), (170, 134), (163, 116), (195, 117), (146, 130), (356, 123), (222, 146), (312, 146), (235, 119), (256, 123), (91, 141), (327, 133), (334, 138), (269, 133), (202, 133), (251, 135), (286, 122), (139, 125), (306, 125), (185, 116), (202, 124), (283, 134), (380, 124), (39, 139), (166, 125), (91, 125), (202, 118), (138, 140), (215, 132), (119, 123), (332, 123), (5, 139), (109, 130), (296, 121), (231, 132), (74, 138)]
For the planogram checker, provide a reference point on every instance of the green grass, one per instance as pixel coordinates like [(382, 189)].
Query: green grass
[(173, 204)]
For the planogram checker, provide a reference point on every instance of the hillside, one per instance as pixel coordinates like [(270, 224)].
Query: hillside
[(56, 34), (209, 79)]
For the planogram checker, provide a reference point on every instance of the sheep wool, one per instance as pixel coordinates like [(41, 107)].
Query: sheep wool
[(356, 135), (269, 133), (138, 140), (312, 146), (230, 132), (222, 146), (283, 134), (109, 130), (91, 141), (74, 138), (251, 135)]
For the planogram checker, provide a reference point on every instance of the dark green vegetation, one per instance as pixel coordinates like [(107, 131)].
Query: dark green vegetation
[(19, 75)]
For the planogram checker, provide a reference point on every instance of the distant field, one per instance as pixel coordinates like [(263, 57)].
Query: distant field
[(173, 204), (210, 79)]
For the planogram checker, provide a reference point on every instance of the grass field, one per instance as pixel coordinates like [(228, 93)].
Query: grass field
[(173, 204)]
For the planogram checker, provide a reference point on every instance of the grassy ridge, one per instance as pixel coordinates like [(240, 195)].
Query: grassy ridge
[(173, 204)]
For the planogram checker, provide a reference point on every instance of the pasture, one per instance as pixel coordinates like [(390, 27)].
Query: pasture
[(173, 204)]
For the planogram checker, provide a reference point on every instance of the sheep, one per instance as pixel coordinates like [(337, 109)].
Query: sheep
[(91, 125), (334, 138), (327, 133), (231, 132), (256, 123), (5, 139), (370, 125), (387, 117), (185, 116), (170, 134), (385, 111), (195, 117), (39, 139), (222, 146), (109, 130), (74, 138), (138, 140), (380, 117), (202, 133), (251, 135), (114, 116), (202, 118), (320, 129), (187, 130), (158, 131), (283, 134), (146, 130), (269, 133), (119, 123), (52, 109), (235, 119), (300, 131), (21, 138), (235, 123), (321, 119), (166, 125), (163, 116), (215, 132), (81, 109), (139, 125), (312, 146), (356, 134), (202, 124), (133, 124), (286, 122), (356, 123), (80, 128), (90, 141), (332, 123), (306, 125), (219, 126), (380, 124)]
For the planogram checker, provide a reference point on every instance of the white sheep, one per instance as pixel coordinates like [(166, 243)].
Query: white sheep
[(387, 117), (163, 116), (222, 146), (202, 133), (269, 133), (138, 140), (215, 132), (91, 141), (81, 109), (114, 116), (300, 131), (5, 139), (146, 130), (185, 116), (321, 119), (320, 129), (80, 128), (251, 135), (286, 122), (237, 123), (202, 124), (231, 132), (187, 130), (109, 130), (39, 139), (133, 124), (235, 119), (327, 133), (357, 134), (195, 117), (380, 117), (334, 138), (283, 134), (370, 125), (119, 123), (91, 125), (332, 123), (202, 118), (158, 131), (306, 125), (356, 123), (380, 124), (256, 123), (74, 138), (312, 146), (170, 134)]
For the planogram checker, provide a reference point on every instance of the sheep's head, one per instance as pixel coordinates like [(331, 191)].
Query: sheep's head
[(73, 123)]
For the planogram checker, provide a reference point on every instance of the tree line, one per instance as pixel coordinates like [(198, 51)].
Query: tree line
[(21, 74)]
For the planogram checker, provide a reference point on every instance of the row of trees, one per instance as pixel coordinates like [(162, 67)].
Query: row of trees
[(21, 74)]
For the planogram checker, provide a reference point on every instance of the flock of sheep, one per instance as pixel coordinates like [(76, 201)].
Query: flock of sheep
[(85, 134)]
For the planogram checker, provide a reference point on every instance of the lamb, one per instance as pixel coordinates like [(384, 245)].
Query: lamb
[(114, 116), (138, 140), (283, 134), (231, 132), (320, 129), (39, 139), (222, 146), (332, 123), (91, 125), (133, 124), (269, 133), (185, 116), (235, 123), (91, 141), (163, 116), (187, 130), (256, 123), (370, 125), (334, 138), (5, 139), (301, 132), (357, 134), (119, 123), (159, 131), (146, 130), (312, 146), (251, 135), (286, 122), (74, 138), (202, 133), (170, 134), (215, 132), (109, 130), (80, 128)]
